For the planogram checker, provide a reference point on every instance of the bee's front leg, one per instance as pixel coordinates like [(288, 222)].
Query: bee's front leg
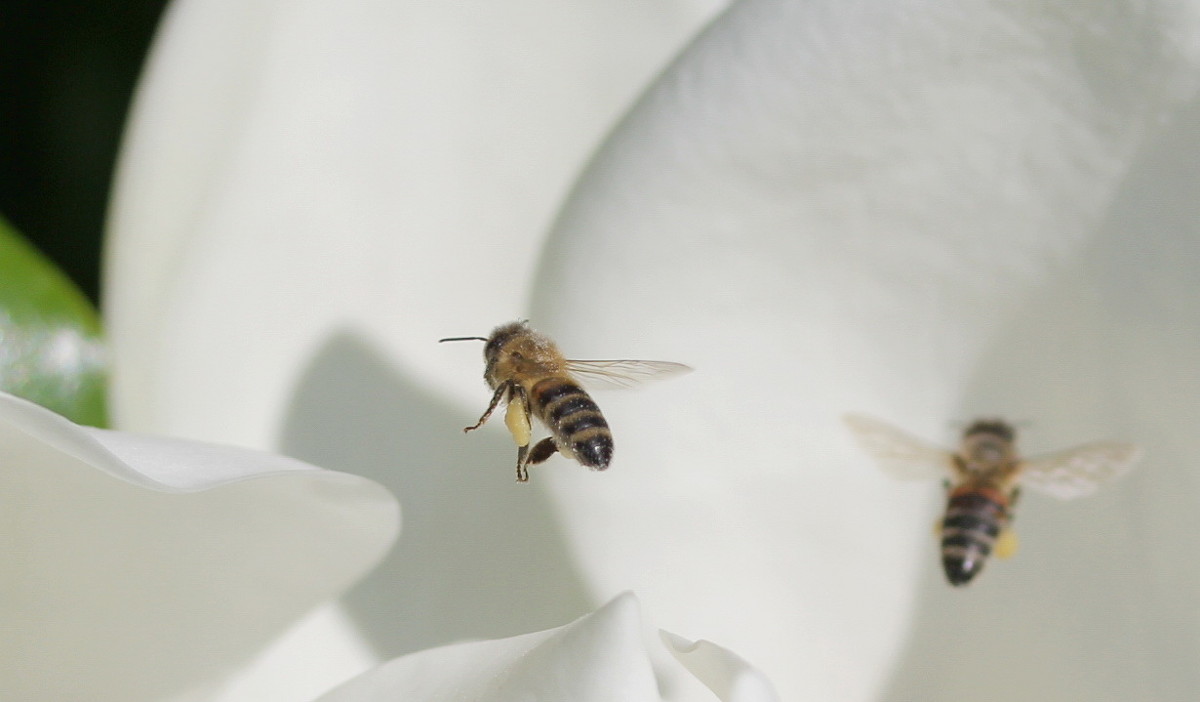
[(500, 391)]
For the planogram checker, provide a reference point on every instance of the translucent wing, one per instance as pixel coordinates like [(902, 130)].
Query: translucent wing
[(1077, 472), (898, 453), (625, 373)]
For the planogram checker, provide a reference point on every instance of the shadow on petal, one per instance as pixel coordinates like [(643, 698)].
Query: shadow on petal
[(480, 556)]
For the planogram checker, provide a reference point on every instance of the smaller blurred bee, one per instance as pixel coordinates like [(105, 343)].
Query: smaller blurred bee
[(527, 370), (984, 480)]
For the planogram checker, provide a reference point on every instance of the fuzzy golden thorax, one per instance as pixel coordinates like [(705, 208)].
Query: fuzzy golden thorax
[(988, 457), (514, 352)]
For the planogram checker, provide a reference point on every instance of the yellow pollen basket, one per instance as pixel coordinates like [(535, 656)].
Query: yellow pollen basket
[(1006, 544), (516, 418)]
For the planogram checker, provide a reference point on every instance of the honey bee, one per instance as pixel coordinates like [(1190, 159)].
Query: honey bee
[(526, 370), (984, 480)]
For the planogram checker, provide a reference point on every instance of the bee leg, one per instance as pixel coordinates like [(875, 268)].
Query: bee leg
[(504, 387), (544, 449), (522, 461), (517, 417), (517, 420)]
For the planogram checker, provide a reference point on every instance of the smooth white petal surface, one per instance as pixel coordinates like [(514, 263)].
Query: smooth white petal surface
[(856, 206), (143, 568), (298, 171), (1101, 601), (722, 670), (599, 657)]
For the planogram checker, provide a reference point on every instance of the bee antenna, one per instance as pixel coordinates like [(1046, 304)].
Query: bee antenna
[(463, 338)]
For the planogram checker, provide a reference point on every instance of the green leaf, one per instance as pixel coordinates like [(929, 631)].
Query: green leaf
[(50, 347)]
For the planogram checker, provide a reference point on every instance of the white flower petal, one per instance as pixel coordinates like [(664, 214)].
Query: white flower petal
[(601, 656), (722, 670), (138, 568), (598, 657), (827, 207), (299, 171), (317, 653)]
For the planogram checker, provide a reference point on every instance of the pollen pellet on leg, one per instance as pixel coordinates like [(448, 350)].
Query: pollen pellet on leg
[(516, 418), (1006, 544)]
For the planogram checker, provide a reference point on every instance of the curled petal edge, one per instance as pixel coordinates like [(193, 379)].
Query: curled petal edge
[(164, 548), (600, 656)]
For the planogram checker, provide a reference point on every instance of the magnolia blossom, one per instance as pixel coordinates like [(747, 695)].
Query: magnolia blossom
[(924, 212)]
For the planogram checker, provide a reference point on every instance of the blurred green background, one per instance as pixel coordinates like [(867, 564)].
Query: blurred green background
[(67, 73)]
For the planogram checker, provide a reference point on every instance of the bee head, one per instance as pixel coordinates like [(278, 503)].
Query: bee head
[(995, 427), (500, 336)]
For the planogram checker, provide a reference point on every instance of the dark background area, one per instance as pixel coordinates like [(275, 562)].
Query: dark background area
[(67, 73)]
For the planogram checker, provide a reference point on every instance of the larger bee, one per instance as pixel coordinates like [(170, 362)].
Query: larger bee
[(984, 480), (526, 370)]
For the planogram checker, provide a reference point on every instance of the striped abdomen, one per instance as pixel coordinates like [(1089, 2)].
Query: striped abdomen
[(974, 518), (574, 420)]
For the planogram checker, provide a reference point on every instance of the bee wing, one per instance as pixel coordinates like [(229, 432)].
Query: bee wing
[(1077, 472), (625, 373), (898, 453)]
